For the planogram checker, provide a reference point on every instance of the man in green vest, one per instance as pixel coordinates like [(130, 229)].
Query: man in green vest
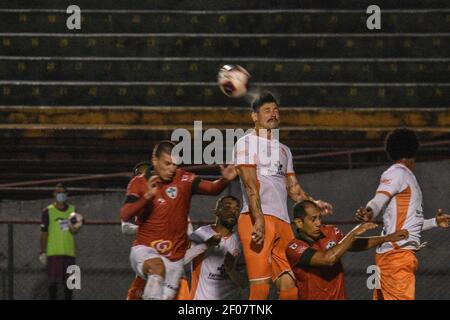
[(57, 242)]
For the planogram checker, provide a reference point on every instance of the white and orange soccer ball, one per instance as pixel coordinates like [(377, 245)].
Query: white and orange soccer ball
[(233, 80), (75, 221)]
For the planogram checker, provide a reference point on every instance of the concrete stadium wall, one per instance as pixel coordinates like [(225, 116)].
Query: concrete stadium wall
[(103, 250)]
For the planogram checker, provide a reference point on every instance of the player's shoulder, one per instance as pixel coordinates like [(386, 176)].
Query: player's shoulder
[(246, 138), (137, 183), (138, 179), (330, 230), (396, 170), (285, 149), (184, 176), (294, 244), (205, 228)]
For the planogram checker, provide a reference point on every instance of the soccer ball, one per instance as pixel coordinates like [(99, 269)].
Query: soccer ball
[(75, 221), (233, 80)]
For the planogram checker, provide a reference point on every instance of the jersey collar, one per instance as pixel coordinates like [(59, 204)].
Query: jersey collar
[(300, 236)]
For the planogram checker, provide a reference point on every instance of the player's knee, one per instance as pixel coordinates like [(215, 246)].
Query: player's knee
[(154, 267)]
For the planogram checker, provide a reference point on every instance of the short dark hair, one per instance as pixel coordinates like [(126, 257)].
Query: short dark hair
[(401, 143), (219, 203), (299, 209), (165, 146), (136, 169), (263, 98)]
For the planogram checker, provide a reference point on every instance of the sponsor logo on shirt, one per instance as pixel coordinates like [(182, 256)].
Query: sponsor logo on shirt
[(331, 244), (386, 181), (162, 246), (172, 192)]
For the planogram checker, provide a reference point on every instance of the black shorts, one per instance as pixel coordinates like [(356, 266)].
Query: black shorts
[(57, 268)]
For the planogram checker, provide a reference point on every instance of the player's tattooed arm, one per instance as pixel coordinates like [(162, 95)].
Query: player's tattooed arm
[(250, 182), (295, 191), (297, 194)]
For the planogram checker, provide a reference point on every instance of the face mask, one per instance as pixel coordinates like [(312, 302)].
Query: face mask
[(61, 197)]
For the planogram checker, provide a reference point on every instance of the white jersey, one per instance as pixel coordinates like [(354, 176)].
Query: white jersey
[(404, 210), (209, 279), (273, 162)]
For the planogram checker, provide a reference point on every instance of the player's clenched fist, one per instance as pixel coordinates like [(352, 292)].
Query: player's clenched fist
[(442, 219), (258, 230), (327, 209), (364, 214), (397, 236)]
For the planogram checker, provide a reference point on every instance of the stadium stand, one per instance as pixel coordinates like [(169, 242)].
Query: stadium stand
[(136, 71)]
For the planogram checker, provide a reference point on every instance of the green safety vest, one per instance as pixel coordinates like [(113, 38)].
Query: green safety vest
[(60, 240)]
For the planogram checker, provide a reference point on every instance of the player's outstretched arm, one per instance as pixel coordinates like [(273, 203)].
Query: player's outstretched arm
[(214, 188), (442, 220), (249, 180), (366, 243), (331, 256), (297, 194)]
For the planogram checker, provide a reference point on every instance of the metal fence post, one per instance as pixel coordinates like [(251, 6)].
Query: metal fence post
[(10, 261)]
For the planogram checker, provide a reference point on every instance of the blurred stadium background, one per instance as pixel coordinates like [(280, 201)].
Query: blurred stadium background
[(85, 106)]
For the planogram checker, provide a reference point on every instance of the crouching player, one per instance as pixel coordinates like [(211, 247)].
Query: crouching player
[(315, 255)]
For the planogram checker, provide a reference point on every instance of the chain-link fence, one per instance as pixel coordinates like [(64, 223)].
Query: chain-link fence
[(102, 255)]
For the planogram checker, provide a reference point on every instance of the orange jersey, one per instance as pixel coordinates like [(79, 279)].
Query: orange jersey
[(317, 283), (163, 220)]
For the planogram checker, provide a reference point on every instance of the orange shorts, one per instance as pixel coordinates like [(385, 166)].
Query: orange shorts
[(269, 259), (138, 285), (398, 275)]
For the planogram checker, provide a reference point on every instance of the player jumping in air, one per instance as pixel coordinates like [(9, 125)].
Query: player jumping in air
[(264, 226), (162, 205)]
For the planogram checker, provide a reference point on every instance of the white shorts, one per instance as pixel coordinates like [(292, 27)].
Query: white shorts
[(173, 269)]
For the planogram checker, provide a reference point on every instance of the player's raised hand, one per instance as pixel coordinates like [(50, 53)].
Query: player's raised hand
[(442, 219), (363, 227), (397, 236), (364, 214), (152, 184), (327, 209), (258, 230), (229, 172)]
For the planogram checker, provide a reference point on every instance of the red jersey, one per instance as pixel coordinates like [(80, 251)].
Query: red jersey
[(163, 220), (317, 283)]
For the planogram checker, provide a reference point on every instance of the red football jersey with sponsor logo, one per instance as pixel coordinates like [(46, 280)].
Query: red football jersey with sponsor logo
[(163, 221), (317, 283)]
